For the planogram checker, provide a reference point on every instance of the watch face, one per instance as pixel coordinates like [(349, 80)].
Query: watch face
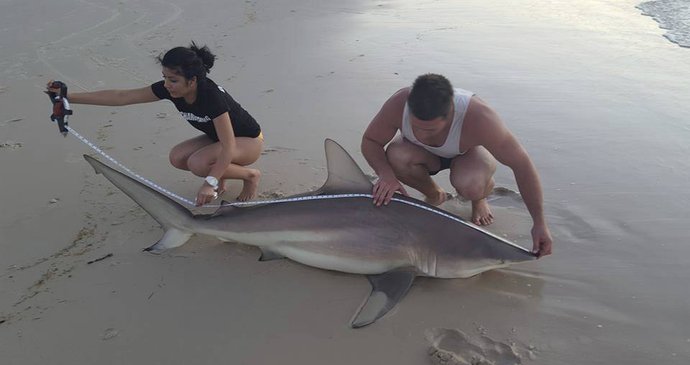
[(211, 180)]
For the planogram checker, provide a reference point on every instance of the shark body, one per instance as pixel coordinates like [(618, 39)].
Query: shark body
[(338, 228)]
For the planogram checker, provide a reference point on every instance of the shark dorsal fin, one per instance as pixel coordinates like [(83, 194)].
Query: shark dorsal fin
[(344, 175)]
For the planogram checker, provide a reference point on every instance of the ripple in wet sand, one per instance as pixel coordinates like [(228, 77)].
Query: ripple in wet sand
[(453, 347)]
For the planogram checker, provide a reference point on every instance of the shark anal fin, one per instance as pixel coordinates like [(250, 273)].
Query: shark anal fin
[(268, 255), (172, 238), (387, 290)]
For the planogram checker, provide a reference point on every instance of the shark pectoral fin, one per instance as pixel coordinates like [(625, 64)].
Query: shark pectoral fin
[(172, 238), (387, 290), (268, 255)]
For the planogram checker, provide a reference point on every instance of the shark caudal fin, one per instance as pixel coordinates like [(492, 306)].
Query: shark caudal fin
[(174, 218), (344, 175)]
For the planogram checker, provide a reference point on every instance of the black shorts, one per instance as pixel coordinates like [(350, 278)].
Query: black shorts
[(445, 164)]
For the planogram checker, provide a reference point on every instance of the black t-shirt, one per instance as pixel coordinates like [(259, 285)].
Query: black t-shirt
[(211, 101)]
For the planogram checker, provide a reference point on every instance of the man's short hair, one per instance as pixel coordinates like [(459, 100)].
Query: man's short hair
[(431, 97)]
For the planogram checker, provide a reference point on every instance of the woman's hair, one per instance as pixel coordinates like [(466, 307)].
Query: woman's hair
[(189, 61), (431, 97)]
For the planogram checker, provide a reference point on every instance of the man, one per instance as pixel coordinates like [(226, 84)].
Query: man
[(446, 128)]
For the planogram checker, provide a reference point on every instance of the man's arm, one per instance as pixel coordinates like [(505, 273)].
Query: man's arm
[(485, 128), (380, 131)]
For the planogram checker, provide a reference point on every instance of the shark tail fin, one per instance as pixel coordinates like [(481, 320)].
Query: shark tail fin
[(171, 215)]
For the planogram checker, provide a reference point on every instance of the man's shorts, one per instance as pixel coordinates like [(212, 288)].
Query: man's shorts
[(445, 164)]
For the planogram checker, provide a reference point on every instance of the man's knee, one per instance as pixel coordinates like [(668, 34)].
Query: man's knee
[(473, 188), (400, 158)]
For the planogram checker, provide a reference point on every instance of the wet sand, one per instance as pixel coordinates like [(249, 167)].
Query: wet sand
[(592, 89)]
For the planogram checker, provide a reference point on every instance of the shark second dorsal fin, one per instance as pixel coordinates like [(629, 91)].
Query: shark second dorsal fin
[(225, 208), (344, 175)]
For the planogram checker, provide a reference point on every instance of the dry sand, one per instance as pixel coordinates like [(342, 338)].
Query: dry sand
[(592, 89)]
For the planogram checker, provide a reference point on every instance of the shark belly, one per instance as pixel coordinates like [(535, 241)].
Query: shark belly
[(331, 250)]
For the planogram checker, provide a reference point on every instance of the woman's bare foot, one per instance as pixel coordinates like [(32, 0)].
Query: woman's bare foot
[(438, 198), (250, 186), (481, 213)]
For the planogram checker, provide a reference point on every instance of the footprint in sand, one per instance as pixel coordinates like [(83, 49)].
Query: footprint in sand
[(11, 145), (505, 197), (10, 121), (453, 347), (276, 149), (272, 195)]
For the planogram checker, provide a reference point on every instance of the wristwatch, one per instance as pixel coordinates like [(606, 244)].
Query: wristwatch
[(212, 181)]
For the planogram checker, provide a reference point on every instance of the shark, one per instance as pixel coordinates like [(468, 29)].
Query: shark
[(337, 227)]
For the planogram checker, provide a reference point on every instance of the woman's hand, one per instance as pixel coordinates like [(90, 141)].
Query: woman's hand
[(205, 195), (53, 87)]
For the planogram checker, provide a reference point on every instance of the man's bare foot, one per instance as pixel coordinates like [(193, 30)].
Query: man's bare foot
[(438, 198), (250, 186), (481, 213)]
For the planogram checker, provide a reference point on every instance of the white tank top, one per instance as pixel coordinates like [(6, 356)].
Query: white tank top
[(451, 147)]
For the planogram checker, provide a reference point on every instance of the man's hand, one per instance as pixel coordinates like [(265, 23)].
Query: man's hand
[(541, 240), (384, 189)]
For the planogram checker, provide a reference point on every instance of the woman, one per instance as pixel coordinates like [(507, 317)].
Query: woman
[(232, 139)]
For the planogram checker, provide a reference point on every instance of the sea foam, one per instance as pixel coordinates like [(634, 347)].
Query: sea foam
[(672, 15)]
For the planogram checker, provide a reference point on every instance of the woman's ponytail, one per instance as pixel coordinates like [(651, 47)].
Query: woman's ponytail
[(207, 58), (189, 62)]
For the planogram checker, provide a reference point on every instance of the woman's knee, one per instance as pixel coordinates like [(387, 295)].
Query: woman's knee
[(178, 159), (198, 164), (180, 154)]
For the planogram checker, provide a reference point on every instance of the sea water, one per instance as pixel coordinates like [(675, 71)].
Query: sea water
[(672, 15)]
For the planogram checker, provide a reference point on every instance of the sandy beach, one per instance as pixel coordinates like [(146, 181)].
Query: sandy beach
[(592, 89)]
